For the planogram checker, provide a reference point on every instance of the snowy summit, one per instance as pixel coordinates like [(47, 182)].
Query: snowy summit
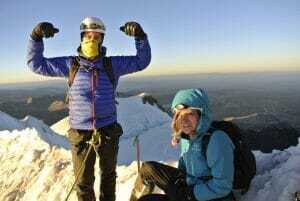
[(36, 160)]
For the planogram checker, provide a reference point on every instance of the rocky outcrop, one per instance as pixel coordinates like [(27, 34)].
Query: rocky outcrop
[(147, 98), (57, 106)]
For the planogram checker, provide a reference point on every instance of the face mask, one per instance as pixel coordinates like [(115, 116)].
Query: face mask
[(90, 48)]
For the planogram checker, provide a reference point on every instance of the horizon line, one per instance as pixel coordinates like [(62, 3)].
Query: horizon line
[(156, 75)]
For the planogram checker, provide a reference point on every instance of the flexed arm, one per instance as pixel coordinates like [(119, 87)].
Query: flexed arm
[(54, 67), (128, 64)]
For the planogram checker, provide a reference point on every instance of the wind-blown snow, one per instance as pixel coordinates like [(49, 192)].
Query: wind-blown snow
[(278, 176), (36, 162)]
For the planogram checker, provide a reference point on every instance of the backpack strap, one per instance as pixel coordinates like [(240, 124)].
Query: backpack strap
[(204, 144), (107, 65), (75, 64), (206, 137), (205, 140)]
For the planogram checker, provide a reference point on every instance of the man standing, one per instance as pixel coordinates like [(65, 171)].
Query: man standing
[(92, 106)]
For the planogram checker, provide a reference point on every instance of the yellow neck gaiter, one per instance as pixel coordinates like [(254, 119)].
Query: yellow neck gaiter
[(90, 48)]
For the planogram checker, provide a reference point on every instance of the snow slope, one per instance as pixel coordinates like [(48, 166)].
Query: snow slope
[(36, 163), (9, 123)]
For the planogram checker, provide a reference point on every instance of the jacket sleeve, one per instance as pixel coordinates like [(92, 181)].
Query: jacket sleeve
[(54, 67), (220, 161), (123, 65)]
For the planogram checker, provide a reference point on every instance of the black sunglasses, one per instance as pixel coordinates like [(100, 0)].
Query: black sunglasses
[(91, 26)]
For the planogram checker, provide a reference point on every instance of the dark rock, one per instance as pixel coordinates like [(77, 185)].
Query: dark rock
[(266, 132), (147, 98)]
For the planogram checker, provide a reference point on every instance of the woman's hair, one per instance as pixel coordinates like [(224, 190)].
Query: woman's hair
[(176, 134), (175, 124)]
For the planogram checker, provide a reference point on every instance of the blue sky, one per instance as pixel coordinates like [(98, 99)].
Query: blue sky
[(185, 36)]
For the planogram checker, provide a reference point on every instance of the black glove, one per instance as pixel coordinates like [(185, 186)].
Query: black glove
[(133, 29), (43, 29), (180, 191)]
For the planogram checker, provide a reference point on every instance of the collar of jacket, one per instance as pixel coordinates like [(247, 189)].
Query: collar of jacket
[(198, 137)]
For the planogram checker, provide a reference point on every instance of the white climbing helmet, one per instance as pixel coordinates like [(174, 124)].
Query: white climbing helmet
[(92, 24)]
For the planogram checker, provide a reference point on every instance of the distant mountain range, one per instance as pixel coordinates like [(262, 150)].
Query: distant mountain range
[(266, 132)]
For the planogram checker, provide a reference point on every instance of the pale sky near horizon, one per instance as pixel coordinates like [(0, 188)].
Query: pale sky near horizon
[(193, 36)]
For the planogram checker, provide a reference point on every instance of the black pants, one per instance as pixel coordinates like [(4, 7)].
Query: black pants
[(108, 160), (157, 174), (162, 197), (154, 197)]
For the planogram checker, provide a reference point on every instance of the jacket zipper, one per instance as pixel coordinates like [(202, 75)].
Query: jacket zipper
[(93, 98)]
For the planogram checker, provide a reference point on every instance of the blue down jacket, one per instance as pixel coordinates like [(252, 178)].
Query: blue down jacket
[(91, 97), (219, 164)]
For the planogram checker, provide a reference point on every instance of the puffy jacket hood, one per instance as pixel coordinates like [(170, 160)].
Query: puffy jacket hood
[(199, 99)]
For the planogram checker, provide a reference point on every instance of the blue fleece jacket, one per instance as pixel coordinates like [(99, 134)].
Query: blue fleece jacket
[(219, 163), (91, 97)]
